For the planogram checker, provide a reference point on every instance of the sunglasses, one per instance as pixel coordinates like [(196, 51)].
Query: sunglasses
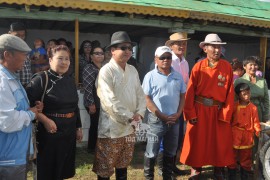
[(162, 58), (123, 48), (98, 53)]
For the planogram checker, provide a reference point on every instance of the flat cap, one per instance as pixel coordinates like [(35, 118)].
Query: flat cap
[(11, 42)]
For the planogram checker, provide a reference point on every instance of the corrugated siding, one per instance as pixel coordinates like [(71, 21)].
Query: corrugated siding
[(246, 12)]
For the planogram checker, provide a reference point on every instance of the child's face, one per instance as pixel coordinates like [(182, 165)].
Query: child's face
[(239, 72), (38, 43), (244, 96)]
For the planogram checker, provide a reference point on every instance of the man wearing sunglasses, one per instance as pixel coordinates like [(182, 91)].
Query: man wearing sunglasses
[(122, 102), (178, 44), (164, 90)]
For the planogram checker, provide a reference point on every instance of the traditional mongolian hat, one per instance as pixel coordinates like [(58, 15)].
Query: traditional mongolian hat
[(211, 39)]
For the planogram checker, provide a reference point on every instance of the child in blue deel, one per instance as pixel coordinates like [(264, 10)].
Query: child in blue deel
[(38, 57)]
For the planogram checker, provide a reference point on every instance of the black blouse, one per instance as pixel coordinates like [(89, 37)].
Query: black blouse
[(61, 94)]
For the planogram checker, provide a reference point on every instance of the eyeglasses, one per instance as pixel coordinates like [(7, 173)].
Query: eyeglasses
[(123, 48), (98, 53), (162, 58), (180, 43), (87, 46)]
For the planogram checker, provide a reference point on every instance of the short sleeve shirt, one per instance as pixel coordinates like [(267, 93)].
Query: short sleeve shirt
[(164, 90)]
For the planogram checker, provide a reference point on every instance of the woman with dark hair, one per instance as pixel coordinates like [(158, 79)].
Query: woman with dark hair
[(51, 44), (259, 92), (91, 100), (238, 69), (258, 87), (59, 124), (84, 57)]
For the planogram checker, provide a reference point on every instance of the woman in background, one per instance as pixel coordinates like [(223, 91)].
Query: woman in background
[(91, 100), (238, 69), (258, 87), (84, 57)]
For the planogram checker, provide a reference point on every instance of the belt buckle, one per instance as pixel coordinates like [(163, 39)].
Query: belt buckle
[(208, 102), (69, 115)]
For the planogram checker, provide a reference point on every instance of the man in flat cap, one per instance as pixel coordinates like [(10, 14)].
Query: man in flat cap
[(18, 29), (208, 111), (122, 102), (164, 90), (15, 113)]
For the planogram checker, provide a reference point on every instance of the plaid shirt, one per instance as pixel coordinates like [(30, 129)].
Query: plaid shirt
[(82, 64), (89, 74), (26, 73)]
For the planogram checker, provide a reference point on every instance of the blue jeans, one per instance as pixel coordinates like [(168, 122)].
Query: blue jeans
[(13, 172), (181, 134), (158, 131)]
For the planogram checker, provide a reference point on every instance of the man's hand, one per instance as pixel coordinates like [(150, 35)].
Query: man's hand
[(135, 120), (79, 135), (39, 106), (193, 121), (92, 109), (136, 117), (174, 117), (34, 110)]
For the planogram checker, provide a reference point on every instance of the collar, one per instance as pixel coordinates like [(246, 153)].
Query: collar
[(55, 73), (9, 74), (242, 106), (174, 57), (246, 76), (94, 65), (114, 63), (157, 71)]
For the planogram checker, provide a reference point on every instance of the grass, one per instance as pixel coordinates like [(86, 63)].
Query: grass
[(84, 164)]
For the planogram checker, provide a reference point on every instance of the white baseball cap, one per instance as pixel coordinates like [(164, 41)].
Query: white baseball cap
[(161, 50)]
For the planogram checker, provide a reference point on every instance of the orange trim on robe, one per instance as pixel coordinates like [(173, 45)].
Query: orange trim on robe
[(245, 123), (209, 142)]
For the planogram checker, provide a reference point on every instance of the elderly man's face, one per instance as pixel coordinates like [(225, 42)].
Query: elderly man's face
[(14, 60), (179, 48), (213, 51), (122, 52)]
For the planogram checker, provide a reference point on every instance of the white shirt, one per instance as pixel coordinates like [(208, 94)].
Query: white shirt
[(121, 96), (181, 66)]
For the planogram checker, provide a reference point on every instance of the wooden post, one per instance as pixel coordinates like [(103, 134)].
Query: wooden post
[(263, 49), (77, 52)]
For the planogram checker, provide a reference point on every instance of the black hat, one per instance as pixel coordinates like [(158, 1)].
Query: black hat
[(17, 26), (120, 37)]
